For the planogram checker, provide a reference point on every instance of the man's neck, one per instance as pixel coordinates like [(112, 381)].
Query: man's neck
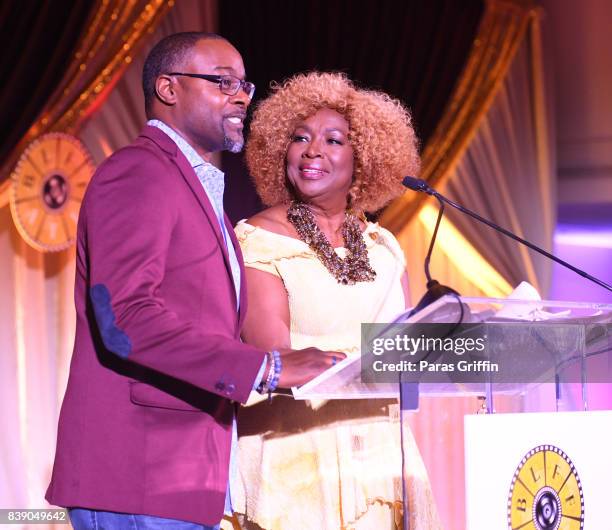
[(206, 154)]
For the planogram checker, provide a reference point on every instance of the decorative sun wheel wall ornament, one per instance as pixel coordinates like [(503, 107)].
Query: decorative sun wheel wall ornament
[(48, 185)]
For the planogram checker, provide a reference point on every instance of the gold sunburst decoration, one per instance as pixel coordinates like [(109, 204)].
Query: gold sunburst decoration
[(47, 188)]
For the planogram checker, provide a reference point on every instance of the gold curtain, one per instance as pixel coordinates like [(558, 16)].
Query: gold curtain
[(116, 30), (501, 30)]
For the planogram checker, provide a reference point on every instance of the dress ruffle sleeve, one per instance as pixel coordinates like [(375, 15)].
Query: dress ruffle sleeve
[(262, 249)]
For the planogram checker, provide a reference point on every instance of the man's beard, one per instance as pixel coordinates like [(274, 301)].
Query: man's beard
[(233, 145)]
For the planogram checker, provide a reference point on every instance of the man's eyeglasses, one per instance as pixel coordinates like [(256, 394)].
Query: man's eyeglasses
[(228, 84)]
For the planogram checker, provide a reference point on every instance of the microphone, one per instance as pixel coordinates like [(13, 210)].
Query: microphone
[(420, 185), (416, 184)]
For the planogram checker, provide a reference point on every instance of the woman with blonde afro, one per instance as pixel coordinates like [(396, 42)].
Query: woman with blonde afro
[(322, 153)]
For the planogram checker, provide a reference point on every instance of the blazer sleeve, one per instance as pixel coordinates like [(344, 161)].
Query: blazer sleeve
[(128, 215)]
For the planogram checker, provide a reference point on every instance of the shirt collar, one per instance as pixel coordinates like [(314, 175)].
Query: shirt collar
[(190, 153)]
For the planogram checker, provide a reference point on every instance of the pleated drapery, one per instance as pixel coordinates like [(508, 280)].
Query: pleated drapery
[(501, 30), (34, 60), (114, 33), (506, 174)]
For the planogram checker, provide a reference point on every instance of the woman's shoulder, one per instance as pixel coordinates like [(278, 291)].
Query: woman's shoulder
[(269, 236), (379, 236), (273, 219)]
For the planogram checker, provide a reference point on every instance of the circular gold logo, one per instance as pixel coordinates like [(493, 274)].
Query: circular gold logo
[(47, 189), (546, 493)]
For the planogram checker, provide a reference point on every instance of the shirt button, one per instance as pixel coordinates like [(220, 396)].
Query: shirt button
[(230, 388)]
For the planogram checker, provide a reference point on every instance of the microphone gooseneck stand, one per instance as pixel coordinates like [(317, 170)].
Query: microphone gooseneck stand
[(435, 289), (420, 185), (409, 391)]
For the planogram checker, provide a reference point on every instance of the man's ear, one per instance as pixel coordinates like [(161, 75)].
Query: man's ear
[(165, 89)]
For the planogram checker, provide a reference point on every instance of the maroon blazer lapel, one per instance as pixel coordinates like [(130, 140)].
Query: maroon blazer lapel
[(167, 144), (243, 291)]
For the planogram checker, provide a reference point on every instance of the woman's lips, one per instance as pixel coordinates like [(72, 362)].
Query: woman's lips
[(311, 173)]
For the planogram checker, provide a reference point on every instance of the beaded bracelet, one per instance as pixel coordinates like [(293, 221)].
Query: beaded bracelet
[(277, 366), (271, 381)]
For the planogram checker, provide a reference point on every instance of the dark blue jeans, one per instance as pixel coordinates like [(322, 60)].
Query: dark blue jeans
[(83, 519)]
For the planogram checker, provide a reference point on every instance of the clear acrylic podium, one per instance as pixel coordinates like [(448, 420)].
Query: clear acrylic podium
[(567, 356), (578, 339)]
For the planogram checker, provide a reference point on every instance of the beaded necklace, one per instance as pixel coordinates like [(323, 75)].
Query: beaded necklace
[(355, 267)]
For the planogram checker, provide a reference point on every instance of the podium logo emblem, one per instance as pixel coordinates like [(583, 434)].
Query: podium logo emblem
[(546, 493)]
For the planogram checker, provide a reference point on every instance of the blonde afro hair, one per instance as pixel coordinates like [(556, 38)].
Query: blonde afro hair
[(380, 132)]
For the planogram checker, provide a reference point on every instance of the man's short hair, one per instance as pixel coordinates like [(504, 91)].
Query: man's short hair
[(165, 56)]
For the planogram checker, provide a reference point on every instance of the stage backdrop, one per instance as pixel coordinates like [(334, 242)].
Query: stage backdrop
[(37, 324)]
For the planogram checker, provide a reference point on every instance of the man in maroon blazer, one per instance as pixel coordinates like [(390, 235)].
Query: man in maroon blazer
[(146, 426)]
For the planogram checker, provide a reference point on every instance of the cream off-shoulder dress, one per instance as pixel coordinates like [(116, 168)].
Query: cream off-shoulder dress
[(336, 465)]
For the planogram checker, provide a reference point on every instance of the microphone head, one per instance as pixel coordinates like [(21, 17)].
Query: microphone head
[(415, 184)]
